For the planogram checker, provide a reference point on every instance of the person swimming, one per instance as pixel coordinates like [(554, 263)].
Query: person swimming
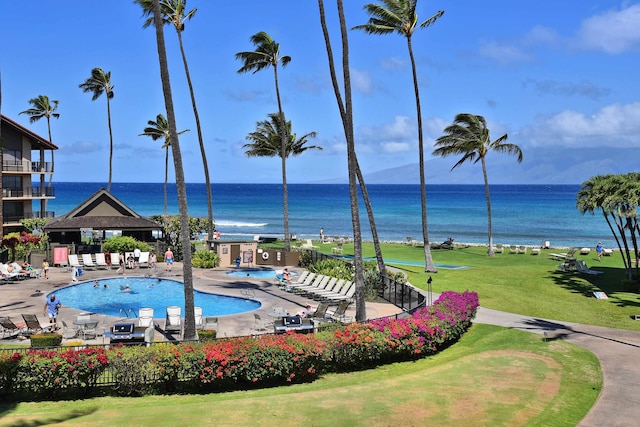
[(126, 289)]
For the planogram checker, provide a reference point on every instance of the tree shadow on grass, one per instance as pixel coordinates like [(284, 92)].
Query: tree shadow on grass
[(610, 282), (562, 331), (7, 408)]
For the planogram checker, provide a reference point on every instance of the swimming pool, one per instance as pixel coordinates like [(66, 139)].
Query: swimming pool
[(146, 292), (255, 273)]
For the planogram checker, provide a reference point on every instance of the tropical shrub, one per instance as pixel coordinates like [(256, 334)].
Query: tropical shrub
[(20, 244), (205, 336), (332, 267), (46, 340), (58, 373), (205, 259), (237, 363), (119, 244)]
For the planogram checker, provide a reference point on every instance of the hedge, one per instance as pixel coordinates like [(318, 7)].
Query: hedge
[(234, 363)]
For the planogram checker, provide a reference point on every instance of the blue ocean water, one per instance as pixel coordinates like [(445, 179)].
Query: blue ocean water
[(521, 214)]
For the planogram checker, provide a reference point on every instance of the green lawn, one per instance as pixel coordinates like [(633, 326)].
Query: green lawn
[(526, 284), (493, 376)]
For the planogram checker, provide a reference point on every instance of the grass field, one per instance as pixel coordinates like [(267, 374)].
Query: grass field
[(493, 376)]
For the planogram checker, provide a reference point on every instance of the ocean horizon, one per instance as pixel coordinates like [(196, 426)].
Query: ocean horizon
[(521, 214)]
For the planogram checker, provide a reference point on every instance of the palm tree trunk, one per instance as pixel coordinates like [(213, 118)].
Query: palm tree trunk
[(429, 265), (488, 196), (347, 123), (207, 180), (190, 325), (110, 143), (166, 179), (283, 155), (372, 223)]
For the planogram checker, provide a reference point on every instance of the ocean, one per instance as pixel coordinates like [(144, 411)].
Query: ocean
[(521, 214)]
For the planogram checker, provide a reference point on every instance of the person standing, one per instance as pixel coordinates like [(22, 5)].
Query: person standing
[(51, 307), (152, 260), (136, 257), (168, 259), (121, 262), (45, 268), (599, 250), (322, 234)]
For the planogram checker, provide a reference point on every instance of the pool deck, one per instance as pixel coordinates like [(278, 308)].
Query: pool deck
[(28, 297)]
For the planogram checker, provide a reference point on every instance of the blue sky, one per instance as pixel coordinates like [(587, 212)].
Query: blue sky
[(559, 77)]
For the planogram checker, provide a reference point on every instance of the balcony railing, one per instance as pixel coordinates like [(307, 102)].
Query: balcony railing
[(28, 192), (28, 215), (27, 166)]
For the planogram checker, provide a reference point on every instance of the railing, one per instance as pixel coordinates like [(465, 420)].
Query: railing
[(28, 215), (37, 191), (127, 313), (402, 295), (27, 166)]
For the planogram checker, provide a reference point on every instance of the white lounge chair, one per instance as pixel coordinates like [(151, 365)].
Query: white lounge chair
[(173, 322), (101, 261), (197, 314), (309, 245), (74, 261), (88, 262), (143, 261), (513, 249), (581, 266), (145, 316)]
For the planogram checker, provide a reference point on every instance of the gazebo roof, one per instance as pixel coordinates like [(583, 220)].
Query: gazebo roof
[(101, 211)]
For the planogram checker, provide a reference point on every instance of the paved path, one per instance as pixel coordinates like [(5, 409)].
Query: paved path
[(618, 351)]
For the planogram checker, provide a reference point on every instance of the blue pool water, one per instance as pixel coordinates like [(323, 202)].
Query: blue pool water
[(146, 292), (255, 273)]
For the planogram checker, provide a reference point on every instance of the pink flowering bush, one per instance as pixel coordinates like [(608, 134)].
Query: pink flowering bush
[(9, 363), (267, 359), (236, 363), (57, 373)]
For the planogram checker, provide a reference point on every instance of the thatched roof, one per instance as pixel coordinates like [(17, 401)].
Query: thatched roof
[(102, 211)]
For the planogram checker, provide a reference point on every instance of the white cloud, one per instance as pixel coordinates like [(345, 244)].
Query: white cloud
[(401, 129), (504, 52), (392, 63), (614, 125), (361, 81), (395, 147), (612, 32)]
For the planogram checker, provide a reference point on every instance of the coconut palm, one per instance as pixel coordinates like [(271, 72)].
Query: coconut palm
[(189, 324), (346, 113), (267, 54), (42, 107), (400, 16), (97, 84), (160, 129), (470, 137), (174, 13), (266, 139)]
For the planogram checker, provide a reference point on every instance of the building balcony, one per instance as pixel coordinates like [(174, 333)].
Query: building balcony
[(28, 193), (29, 215), (26, 167)]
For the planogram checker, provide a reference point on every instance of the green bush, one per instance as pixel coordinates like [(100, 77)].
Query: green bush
[(206, 336), (119, 244), (237, 363), (46, 340), (205, 259), (334, 268)]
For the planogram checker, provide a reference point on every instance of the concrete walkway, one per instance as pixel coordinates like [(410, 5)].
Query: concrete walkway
[(617, 350)]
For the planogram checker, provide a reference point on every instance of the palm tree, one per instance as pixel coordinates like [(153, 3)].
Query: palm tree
[(190, 323), (469, 136), (346, 114), (160, 129), (266, 139), (267, 54), (42, 107), (174, 13), (400, 16), (99, 83)]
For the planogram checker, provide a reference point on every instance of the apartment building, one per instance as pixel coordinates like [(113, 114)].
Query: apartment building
[(25, 174)]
